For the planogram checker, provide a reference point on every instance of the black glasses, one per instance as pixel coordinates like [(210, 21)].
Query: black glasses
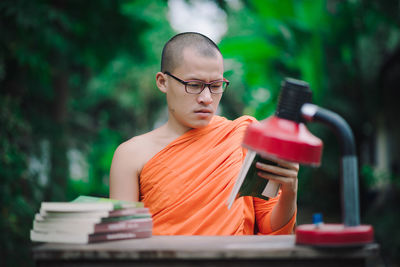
[(196, 86)]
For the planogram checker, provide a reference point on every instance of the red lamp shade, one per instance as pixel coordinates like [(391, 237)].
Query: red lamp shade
[(284, 139)]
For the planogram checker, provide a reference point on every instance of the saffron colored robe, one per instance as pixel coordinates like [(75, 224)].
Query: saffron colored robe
[(187, 184)]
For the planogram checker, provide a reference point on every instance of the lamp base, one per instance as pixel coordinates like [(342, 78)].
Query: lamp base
[(334, 235)]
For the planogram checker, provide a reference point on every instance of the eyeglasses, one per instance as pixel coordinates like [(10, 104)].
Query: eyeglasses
[(196, 86)]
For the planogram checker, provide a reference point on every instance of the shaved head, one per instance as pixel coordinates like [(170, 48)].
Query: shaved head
[(172, 54)]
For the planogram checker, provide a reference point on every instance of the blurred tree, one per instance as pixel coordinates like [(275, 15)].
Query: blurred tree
[(17, 187), (122, 100), (77, 79), (349, 53), (49, 51), (267, 42)]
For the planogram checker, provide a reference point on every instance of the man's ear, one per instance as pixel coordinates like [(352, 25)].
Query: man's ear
[(162, 82)]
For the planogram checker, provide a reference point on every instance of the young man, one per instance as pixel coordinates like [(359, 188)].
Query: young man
[(184, 171)]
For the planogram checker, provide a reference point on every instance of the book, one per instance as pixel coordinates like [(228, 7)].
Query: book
[(88, 203), (93, 214), (89, 227), (84, 238), (83, 220), (90, 219), (248, 183)]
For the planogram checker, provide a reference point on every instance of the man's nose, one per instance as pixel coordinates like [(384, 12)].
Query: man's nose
[(206, 96)]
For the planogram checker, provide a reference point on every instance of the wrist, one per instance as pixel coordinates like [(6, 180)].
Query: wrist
[(288, 196)]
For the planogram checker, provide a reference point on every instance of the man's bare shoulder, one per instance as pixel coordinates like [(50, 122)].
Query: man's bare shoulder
[(137, 147), (128, 161), (140, 149), (136, 143)]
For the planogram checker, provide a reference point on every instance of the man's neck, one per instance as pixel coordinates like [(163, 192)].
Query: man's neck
[(174, 128)]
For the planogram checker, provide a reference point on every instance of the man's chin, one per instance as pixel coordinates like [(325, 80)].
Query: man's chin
[(202, 122)]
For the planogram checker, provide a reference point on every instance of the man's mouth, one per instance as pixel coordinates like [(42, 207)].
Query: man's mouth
[(203, 111)]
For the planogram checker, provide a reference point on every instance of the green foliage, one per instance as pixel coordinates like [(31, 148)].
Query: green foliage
[(49, 53), (273, 41), (77, 79), (383, 212), (122, 100), (338, 47), (18, 190)]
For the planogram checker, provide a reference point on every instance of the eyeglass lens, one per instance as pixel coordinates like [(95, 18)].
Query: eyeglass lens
[(196, 87)]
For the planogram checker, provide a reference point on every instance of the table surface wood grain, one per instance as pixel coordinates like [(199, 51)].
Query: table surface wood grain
[(200, 247)]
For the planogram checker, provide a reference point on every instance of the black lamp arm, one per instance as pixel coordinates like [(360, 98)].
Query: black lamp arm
[(349, 169)]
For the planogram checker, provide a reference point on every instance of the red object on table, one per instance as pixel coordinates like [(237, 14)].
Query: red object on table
[(334, 235)]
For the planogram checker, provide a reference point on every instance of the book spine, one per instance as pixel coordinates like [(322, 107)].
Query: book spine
[(128, 211), (68, 220), (125, 218), (125, 225), (119, 236)]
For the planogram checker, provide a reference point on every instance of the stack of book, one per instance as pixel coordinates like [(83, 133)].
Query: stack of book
[(91, 219)]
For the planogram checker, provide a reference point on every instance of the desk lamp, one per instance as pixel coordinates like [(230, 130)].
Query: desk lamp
[(285, 136)]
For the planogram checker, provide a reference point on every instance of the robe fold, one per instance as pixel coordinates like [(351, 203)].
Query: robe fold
[(186, 185)]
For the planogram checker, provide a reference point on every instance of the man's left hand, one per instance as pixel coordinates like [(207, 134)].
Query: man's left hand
[(284, 173)]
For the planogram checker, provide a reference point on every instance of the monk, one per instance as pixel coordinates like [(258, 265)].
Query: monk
[(185, 170)]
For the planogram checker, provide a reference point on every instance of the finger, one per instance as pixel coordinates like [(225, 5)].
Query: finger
[(286, 164), (289, 185), (290, 166), (276, 178), (276, 170)]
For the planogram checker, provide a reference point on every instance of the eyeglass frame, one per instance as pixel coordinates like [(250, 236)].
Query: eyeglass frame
[(204, 84)]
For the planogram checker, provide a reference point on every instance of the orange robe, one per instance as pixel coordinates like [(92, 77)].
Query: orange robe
[(187, 184)]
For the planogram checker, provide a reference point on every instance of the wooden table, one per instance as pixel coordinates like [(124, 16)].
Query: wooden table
[(204, 251)]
